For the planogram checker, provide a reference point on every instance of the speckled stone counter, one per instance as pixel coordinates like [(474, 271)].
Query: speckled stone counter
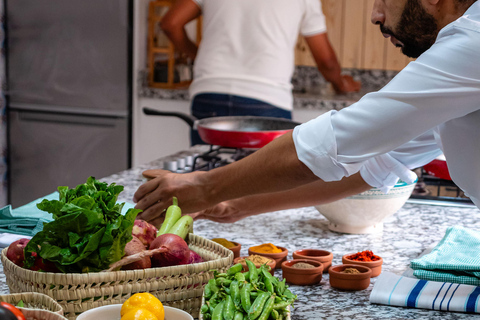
[(310, 91), (405, 236)]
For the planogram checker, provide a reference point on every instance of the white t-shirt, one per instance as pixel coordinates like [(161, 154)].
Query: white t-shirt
[(431, 107), (247, 47)]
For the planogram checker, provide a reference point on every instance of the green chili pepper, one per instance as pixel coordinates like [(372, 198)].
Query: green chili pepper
[(252, 270), (267, 309), (238, 315), (218, 312), (221, 275), (257, 306), (223, 282), (235, 293), (228, 309), (173, 214), (235, 269), (245, 296)]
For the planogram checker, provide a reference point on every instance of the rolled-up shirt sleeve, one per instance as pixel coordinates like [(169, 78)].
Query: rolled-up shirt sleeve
[(388, 132)]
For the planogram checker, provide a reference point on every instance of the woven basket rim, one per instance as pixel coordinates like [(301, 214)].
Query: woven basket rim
[(49, 303), (99, 277)]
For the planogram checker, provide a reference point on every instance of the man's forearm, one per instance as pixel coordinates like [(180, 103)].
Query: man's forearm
[(315, 193), (182, 42), (245, 177)]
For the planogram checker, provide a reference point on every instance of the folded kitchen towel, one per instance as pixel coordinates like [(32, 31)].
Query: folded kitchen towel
[(28, 219), (395, 290), (456, 258)]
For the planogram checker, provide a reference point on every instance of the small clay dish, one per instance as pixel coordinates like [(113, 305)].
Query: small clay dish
[(349, 281), (376, 266), (278, 257), (302, 277), (271, 264), (323, 256), (236, 249)]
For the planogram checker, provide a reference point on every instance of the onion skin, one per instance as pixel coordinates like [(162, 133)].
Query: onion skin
[(176, 251), (194, 257)]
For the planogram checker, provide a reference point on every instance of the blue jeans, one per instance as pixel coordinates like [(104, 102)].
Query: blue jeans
[(207, 105)]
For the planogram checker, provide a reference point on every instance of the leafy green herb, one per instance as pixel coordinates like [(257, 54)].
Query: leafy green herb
[(20, 304), (88, 232)]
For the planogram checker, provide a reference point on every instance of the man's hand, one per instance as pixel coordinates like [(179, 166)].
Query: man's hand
[(348, 85), (154, 196)]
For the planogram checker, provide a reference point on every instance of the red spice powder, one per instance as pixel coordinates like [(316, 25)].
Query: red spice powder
[(366, 255)]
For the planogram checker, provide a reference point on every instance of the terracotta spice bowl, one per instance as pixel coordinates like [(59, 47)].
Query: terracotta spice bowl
[(271, 264), (376, 265), (278, 257), (323, 256), (349, 281), (236, 249), (302, 277)]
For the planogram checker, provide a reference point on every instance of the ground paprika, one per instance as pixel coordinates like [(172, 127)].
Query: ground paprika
[(366, 255)]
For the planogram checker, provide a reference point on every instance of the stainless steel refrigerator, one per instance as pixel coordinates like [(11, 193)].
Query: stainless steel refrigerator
[(68, 92)]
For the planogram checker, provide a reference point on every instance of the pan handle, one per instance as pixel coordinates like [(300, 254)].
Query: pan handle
[(190, 120)]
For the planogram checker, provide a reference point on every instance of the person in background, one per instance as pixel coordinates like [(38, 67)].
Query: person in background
[(245, 60), (431, 107)]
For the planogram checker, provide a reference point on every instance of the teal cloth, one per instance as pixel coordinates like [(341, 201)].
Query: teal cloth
[(28, 219), (456, 258)]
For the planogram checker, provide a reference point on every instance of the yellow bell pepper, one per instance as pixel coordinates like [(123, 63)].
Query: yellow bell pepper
[(146, 301)]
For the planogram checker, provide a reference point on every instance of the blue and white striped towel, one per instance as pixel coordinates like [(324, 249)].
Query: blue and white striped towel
[(395, 290)]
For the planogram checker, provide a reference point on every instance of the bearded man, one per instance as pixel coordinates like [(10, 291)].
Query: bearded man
[(431, 107)]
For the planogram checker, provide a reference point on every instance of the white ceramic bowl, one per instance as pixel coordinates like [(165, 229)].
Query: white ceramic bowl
[(365, 212), (112, 312)]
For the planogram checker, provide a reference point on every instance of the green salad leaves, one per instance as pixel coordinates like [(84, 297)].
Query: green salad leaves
[(88, 232)]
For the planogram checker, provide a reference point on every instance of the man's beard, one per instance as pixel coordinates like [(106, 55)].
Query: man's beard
[(417, 29)]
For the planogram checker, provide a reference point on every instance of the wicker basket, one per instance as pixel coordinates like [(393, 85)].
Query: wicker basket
[(178, 286), (37, 306)]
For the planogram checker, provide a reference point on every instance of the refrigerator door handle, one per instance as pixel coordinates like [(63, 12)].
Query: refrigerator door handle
[(73, 119)]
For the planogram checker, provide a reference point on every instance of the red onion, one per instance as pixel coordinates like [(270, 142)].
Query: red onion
[(194, 257), (176, 251)]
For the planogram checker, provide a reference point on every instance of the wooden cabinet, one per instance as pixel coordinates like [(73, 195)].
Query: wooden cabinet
[(357, 42), (167, 67)]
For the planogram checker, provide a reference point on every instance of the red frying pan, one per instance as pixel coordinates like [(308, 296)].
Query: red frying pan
[(233, 131)]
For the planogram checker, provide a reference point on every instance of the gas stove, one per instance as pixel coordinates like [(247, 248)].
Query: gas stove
[(208, 158)]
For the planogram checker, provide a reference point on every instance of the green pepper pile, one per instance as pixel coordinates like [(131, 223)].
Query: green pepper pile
[(253, 295)]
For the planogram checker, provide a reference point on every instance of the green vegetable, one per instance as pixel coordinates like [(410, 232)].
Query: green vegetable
[(245, 296), (235, 269), (252, 269), (267, 308), (181, 227), (238, 315), (218, 311), (20, 304), (173, 214), (228, 309), (88, 232), (235, 293), (257, 306)]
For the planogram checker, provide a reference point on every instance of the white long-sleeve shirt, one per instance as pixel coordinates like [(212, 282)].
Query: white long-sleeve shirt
[(431, 107)]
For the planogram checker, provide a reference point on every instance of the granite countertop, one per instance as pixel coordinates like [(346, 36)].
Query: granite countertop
[(405, 236), (310, 91)]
